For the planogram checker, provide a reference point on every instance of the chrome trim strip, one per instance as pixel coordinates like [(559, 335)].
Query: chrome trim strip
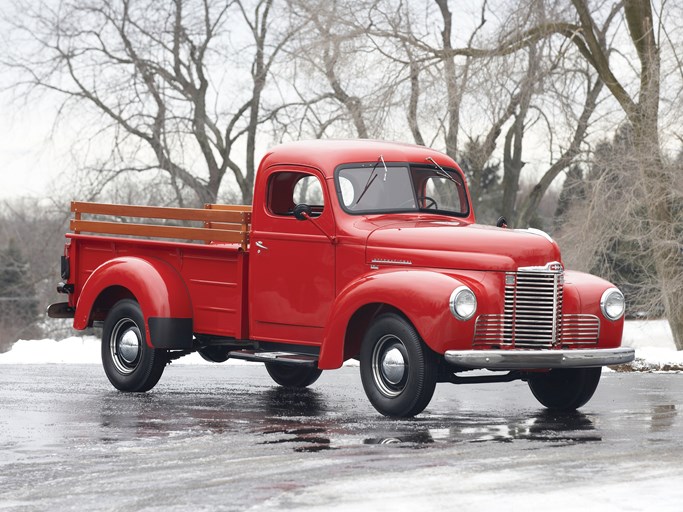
[(391, 262), (538, 359)]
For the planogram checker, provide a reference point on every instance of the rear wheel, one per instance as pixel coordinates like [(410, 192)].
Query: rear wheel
[(130, 364), (399, 372), (291, 376), (565, 389)]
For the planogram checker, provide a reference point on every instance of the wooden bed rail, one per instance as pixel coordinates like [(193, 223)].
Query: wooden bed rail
[(220, 223)]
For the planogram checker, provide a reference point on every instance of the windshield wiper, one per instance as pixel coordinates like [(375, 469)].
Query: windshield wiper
[(371, 178), (442, 172)]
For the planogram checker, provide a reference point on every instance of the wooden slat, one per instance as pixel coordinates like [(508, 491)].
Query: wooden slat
[(242, 228), (229, 207), (154, 212), (221, 223), (150, 230)]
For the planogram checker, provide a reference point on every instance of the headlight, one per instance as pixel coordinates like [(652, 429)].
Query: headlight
[(612, 304), (463, 303)]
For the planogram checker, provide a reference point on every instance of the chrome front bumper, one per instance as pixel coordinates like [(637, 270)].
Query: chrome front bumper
[(538, 359)]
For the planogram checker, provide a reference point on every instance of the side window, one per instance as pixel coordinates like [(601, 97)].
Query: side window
[(309, 191), (287, 189)]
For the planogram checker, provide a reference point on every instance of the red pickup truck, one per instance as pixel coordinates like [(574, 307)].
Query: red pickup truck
[(353, 250)]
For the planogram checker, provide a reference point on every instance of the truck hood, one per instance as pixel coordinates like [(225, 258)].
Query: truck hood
[(459, 245)]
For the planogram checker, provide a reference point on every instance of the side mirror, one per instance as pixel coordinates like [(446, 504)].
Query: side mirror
[(501, 222), (302, 211)]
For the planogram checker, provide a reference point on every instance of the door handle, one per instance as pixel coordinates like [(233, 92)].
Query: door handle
[(260, 245)]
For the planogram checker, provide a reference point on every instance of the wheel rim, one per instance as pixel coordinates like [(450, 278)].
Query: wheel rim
[(125, 345), (390, 365)]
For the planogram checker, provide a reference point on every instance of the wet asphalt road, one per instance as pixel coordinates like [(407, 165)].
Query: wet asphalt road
[(226, 438)]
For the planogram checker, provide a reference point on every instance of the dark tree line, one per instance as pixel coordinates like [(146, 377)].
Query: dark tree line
[(18, 300)]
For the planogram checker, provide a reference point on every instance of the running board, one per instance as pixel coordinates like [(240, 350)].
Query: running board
[(275, 357)]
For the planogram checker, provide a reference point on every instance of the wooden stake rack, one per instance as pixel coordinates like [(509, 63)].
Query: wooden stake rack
[(219, 223)]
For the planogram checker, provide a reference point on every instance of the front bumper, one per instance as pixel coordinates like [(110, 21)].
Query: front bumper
[(538, 359)]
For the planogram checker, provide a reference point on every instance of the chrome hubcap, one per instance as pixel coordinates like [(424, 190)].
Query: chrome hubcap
[(393, 366), (390, 365), (129, 346), (125, 345)]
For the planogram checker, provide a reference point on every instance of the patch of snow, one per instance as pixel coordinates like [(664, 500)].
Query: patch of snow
[(654, 344), (72, 350), (641, 334), (519, 489)]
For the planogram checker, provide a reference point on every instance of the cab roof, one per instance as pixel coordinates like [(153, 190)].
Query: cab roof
[(326, 155)]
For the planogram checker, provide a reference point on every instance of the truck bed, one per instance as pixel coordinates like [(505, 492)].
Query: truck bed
[(214, 272), (215, 275)]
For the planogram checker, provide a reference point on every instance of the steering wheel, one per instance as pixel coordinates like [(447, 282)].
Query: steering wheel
[(428, 202)]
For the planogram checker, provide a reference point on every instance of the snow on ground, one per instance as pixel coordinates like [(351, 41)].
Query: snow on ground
[(657, 489), (73, 350), (654, 344), (652, 339)]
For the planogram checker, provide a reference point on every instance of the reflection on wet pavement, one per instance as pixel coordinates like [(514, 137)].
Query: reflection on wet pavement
[(547, 426), (301, 420), (663, 417)]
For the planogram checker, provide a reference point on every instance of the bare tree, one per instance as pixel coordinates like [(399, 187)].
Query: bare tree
[(160, 77), (642, 111)]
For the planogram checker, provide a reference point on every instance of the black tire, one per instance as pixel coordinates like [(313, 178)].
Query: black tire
[(398, 371), (290, 376), (565, 389), (129, 363)]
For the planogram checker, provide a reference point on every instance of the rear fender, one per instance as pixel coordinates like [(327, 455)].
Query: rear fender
[(158, 288), (422, 296)]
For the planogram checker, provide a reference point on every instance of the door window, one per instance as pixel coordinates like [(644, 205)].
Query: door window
[(287, 189)]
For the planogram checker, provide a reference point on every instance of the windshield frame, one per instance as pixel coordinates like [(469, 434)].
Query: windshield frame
[(455, 174)]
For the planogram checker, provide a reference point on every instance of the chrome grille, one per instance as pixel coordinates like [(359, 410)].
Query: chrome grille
[(580, 330), (532, 315), (533, 304)]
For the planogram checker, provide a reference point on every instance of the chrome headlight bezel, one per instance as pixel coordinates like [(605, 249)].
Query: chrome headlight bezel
[(458, 302), (605, 303)]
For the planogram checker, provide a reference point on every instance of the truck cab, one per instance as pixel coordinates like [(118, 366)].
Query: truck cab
[(361, 250)]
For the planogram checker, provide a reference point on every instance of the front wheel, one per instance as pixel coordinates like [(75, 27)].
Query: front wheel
[(398, 371), (565, 389), (290, 376), (130, 364)]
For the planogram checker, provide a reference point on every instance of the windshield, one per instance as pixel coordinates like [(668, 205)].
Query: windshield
[(379, 188)]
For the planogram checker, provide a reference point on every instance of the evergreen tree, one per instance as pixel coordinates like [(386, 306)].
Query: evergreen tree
[(484, 184), (18, 303), (573, 192)]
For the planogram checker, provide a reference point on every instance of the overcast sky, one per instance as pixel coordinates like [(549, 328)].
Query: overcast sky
[(28, 157)]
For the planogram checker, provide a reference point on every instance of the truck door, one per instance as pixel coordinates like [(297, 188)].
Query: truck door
[(292, 262)]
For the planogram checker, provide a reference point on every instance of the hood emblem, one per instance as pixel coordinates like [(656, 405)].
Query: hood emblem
[(554, 266)]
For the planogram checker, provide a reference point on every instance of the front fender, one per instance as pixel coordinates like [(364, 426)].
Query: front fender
[(582, 294), (158, 288), (421, 295)]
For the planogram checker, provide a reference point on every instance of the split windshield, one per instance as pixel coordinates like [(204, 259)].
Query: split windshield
[(380, 188)]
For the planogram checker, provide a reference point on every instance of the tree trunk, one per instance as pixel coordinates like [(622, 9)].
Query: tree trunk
[(512, 167), (643, 116), (667, 255)]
